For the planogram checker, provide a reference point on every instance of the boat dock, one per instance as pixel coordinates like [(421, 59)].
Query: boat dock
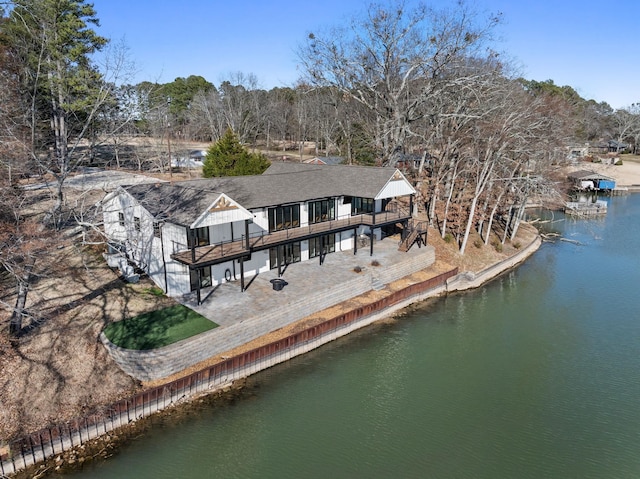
[(586, 209)]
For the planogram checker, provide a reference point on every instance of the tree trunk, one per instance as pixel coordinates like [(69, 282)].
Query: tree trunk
[(490, 223), (518, 219), (15, 324), (467, 230)]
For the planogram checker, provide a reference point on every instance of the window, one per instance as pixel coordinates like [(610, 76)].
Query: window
[(324, 244), (136, 223), (121, 219), (322, 210), (289, 253), (284, 217), (362, 205), (156, 229), (201, 236), (203, 274)]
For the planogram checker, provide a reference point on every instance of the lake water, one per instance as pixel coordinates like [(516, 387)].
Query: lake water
[(536, 375)]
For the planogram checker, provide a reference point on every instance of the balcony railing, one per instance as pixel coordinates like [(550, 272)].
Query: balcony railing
[(211, 254)]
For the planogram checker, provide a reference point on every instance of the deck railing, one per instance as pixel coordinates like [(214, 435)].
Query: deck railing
[(265, 239)]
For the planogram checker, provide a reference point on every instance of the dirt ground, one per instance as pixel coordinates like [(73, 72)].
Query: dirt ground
[(59, 369), (626, 174)]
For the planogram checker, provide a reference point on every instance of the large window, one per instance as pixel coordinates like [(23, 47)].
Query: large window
[(284, 217), (201, 237), (361, 205), (289, 253), (323, 244), (322, 210), (203, 274)]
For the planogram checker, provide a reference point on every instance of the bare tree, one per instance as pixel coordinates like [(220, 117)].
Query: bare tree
[(393, 60), (626, 124)]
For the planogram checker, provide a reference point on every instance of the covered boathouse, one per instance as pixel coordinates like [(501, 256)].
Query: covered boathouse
[(585, 180)]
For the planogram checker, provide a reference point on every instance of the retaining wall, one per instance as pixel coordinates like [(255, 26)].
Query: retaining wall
[(469, 280), (55, 440)]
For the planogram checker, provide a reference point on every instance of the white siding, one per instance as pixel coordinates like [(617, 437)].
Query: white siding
[(174, 238), (343, 210)]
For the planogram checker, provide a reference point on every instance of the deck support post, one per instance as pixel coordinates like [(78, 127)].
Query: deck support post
[(198, 295), (242, 274), (246, 234), (191, 233), (371, 241), (355, 240)]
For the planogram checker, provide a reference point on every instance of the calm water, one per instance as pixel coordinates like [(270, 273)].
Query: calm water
[(536, 375)]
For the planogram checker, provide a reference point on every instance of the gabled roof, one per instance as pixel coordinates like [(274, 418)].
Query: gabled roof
[(282, 183), (325, 160)]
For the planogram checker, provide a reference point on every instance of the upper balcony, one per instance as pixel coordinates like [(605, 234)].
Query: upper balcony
[(221, 252)]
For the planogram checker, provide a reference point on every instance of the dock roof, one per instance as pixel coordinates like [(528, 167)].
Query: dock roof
[(588, 175)]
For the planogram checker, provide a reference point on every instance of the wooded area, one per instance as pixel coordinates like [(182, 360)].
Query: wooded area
[(418, 88)]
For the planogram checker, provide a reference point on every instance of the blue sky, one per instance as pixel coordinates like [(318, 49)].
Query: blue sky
[(593, 46)]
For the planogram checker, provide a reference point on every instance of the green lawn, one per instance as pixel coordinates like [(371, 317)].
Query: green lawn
[(157, 328)]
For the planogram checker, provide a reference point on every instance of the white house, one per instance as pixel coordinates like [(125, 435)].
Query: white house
[(196, 234)]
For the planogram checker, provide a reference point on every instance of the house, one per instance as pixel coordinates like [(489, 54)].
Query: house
[(325, 160), (616, 146), (192, 235)]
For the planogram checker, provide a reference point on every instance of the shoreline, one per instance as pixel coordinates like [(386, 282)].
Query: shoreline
[(105, 440)]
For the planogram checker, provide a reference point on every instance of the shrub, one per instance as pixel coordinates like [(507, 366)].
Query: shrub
[(448, 238), (498, 246), (517, 245), (478, 243), (375, 262), (357, 269)]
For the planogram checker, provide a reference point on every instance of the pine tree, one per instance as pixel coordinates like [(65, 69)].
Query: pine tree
[(227, 157), (53, 43)]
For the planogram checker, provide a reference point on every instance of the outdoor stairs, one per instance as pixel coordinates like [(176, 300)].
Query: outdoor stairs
[(376, 284), (406, 243), (413, 233)]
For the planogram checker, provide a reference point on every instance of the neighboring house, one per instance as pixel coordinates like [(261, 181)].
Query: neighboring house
[(325, 160), (578, 151), (616, 146), (197, 234)]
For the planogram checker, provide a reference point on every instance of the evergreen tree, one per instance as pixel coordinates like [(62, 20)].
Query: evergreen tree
[(52, 41), (227, 157)]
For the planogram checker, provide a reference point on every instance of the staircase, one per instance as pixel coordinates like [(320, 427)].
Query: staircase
[(413, 234)]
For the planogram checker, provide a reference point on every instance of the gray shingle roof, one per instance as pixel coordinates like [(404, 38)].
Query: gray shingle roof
[(588, 175), (282, 183)]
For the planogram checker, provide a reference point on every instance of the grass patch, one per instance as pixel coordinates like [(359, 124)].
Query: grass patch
[(153, 291), (157, 328)]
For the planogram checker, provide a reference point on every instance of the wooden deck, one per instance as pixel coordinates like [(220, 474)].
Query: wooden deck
[(218, 253), (586, 209)]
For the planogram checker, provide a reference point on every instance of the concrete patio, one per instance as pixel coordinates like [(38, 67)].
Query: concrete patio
[(259, 310)]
